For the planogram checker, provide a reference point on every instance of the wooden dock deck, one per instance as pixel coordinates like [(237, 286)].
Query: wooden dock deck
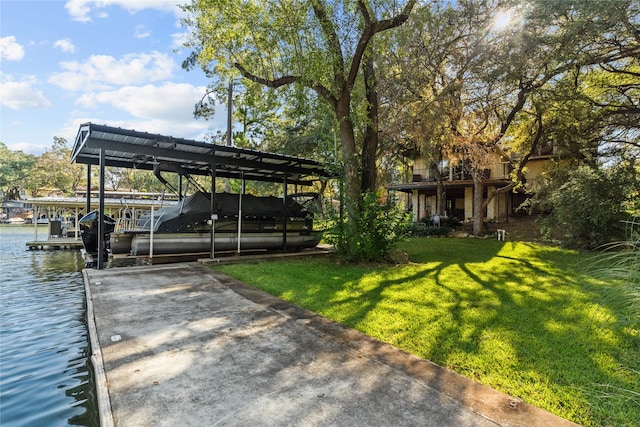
[(57, 243)]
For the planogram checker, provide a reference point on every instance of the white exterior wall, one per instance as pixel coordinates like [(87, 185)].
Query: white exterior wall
[(497, 209), (419, 168), (534, 169)]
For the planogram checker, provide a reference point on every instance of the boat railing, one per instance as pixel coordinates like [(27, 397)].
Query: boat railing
[(128, 218), (123, 223), (156, 221)]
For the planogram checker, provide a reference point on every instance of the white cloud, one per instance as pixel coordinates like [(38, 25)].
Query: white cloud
[(81, 10), (166, 109), (10, 49), (65, 45), (141, 32), (188, 129), (102, 72), (169, 102), (22, 94), (27, 147), (178, 40)]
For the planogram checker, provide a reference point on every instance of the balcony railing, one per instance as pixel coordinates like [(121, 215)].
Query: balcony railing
[(494, 171)]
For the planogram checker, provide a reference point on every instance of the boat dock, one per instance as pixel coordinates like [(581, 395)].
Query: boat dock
[(55, 243), (183, 345)]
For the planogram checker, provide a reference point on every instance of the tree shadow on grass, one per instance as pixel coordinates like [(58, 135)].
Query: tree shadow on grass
[(511, 315), (516, 316)]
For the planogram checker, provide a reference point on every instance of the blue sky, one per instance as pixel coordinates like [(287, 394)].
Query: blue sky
[(114, 62)]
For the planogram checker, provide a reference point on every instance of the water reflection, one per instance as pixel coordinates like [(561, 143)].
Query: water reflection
[(45, 373)]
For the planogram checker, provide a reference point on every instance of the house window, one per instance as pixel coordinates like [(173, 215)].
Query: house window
[(505, 170)]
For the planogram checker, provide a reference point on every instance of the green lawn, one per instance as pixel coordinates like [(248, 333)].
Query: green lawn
[(522, 318)]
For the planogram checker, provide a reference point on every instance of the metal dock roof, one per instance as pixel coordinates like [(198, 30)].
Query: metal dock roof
[(141, 150)]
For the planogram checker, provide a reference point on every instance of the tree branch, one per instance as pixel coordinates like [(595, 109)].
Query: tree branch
[(286, 80), (364, 11), (371, 28), (332, 39), (274, 83)]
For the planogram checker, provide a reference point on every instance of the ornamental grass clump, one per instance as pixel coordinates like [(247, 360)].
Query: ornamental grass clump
[(618, 265)]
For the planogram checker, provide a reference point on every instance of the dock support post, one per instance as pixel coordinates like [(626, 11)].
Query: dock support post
[(212, 214), (88, 195), (151, 235), (36, 216), (75, 225), (101, 212), (284, 215), (240, 212)]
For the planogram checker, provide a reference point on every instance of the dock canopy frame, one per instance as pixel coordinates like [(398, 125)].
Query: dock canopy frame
[(140, 150), (104, 145)]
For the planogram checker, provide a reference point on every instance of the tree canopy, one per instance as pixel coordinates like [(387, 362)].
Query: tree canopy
[(52, 172), (321, 45), (14, 171), (479, 77), (454, 81)]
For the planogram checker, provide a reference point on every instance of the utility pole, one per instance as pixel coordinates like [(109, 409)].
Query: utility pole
[(229, 112), (227, 189)]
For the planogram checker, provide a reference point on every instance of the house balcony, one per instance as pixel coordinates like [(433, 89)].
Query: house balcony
[(495, 171)]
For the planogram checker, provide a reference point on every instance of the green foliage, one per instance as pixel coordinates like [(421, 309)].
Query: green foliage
[(369, 236), (14, 171), (54, 170), (560, 75), (143, 180), (522, 318), (421, 229), (587, 205), (317, 45), (618, 264)]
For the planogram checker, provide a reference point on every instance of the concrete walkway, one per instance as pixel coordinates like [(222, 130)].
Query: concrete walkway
[(179, 345)]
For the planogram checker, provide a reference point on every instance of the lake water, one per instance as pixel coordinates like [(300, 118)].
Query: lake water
[(46, 378)]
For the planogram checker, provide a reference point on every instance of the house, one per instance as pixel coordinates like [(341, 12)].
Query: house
[(457, 185)]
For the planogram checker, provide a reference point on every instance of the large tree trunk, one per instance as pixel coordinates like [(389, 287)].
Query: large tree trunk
[(478, 205), (440, 193), (441, 198), (370, 143), (351, 172)]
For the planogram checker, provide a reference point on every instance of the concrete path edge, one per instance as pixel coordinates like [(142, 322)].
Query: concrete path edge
[(105, 414)]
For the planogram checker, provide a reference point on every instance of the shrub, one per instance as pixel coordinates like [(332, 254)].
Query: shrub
[(586, 205), (371, 235), (420, 229)]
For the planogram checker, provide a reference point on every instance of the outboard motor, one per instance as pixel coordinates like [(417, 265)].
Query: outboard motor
[(89, 232)]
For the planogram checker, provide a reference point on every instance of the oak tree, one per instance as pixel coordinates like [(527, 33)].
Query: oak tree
[(321, 45)]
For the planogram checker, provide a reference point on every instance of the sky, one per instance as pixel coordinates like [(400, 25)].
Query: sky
[(112, 62)]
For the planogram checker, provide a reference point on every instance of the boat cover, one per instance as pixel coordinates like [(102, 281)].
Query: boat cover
[(195, 210)]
